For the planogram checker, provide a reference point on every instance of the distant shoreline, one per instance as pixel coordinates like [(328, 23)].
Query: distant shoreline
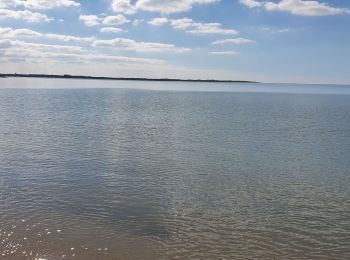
[(15, 75)]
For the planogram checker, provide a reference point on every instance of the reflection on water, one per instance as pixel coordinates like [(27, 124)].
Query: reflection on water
[(135, 174)]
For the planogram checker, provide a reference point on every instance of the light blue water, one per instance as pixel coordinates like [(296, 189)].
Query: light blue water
[(135, 170), (25, 83)]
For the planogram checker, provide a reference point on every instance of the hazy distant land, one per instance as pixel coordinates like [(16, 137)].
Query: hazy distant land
[(15, 75)]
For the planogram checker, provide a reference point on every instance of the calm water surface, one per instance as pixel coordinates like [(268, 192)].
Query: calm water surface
[(142, 170)]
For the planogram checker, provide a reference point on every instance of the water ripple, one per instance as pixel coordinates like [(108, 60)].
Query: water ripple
[(126, 174)]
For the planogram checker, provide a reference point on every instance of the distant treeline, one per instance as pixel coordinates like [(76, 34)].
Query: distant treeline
[(14, 75)]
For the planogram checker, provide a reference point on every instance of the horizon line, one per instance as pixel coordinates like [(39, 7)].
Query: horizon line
[(68, 76)]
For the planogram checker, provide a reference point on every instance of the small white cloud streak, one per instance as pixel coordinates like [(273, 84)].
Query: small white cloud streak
[(168, 6), (131, 45), (251, 3), (160, 6), (223, 53), (297, 7), (111, 30), (233, 40), (27, 16), (39, 4), (136, 22), (190, 26), (276, 30), (9, 33), (43, 47), (69, 38)]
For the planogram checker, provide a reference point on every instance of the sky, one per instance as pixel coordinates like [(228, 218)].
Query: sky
[(297, 41)]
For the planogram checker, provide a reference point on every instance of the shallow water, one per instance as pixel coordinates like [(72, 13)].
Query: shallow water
[(134, 170)]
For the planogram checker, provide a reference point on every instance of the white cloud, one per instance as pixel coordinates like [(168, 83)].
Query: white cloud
[(111, 30), (137, 22), (25, 46), (118, 43), (94, 20), (69, 38), (210, 28), (4, 44), (25, 15), (115, 20), (251, 3), (99, 58), (158, 21), (275, 30), (307, 8), (169, 6), (161, 6), (123, 6), (35, 52), (39, 4), (297, 7), (233, 40), (190, 26), (9, 33), (225, 53), (90, 20), (182, 24), (131, 45)]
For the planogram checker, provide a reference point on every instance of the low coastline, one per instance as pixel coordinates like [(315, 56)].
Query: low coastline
[(15, 75)]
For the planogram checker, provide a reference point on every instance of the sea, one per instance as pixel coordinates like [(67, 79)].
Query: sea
[(111, 170)]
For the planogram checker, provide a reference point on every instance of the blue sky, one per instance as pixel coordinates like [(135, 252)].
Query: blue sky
[(270, 41)]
